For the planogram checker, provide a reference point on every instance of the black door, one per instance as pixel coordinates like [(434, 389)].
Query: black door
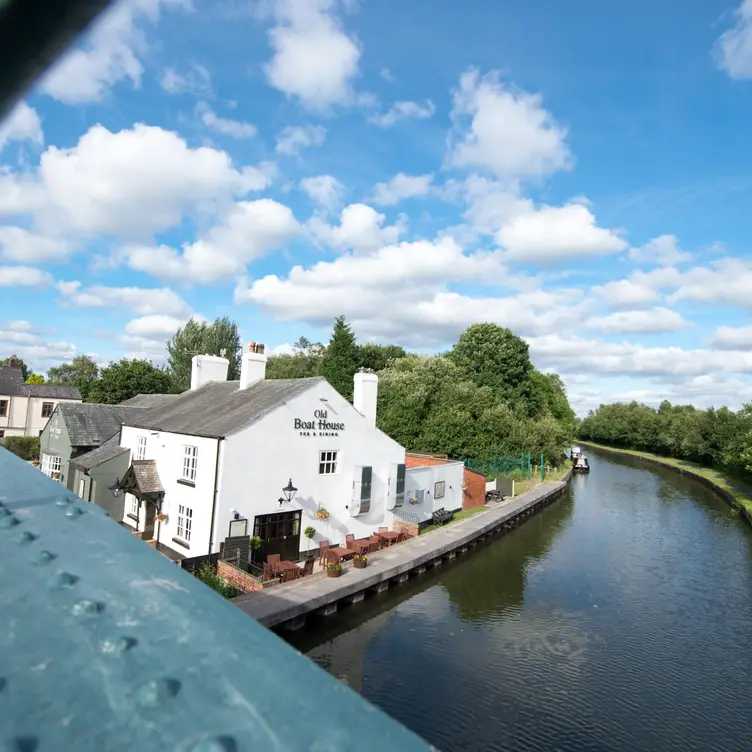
[(280, 534)]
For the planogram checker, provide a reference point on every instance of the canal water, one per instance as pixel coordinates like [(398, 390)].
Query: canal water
[(620, 618)]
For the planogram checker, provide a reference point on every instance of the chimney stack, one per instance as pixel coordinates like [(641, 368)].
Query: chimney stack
[(206, 368), (252, 365), (365, 394)]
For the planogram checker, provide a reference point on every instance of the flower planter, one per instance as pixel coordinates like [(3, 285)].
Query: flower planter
[(333, 572), (360, 564)]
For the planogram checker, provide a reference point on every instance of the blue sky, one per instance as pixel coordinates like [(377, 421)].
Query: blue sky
[(579, 172)]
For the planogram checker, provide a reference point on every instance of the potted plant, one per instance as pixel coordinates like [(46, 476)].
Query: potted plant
[(309, 532), (333, 569), (254, 543), (360, 561)]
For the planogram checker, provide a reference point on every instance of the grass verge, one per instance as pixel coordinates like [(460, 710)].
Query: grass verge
[(740, 491), (463, 514)]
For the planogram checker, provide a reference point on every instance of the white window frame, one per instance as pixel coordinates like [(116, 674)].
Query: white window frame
[(328, 462), (190, 462), (51, 465), (141, 448), (52, 409), (185, 523), (81, 487), (135, 504), (439, 485)]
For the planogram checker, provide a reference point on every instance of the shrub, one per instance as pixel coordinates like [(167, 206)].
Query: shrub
[(26, 447), (208, 575)]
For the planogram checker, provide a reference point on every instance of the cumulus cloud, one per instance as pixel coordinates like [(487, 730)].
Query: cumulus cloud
[(143, 301), (404, 111), (324, 190), (625, 294), (662, 251), (196, 80), (225, 126), (733, 49), (362, 229), (654, 321), (732, 338), (293, 138), (160, 326), (504, 130), (314, 59), (401, 187), (110, 53), (22, 124), (24, 276), (19, 244)]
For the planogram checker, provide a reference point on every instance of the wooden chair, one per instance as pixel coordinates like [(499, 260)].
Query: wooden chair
[(374, 544), (383, 530), (268, 574), (307, 568), (272, 560), (402, 537), (323, 547), (349, 540), (290, 574)]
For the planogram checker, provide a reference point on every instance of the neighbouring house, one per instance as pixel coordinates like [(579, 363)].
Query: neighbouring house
[(25, 409), (259, 457), (471, 483)]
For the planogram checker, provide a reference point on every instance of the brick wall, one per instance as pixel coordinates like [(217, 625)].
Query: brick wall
[(237, 578), (474, 493), (400, 526)]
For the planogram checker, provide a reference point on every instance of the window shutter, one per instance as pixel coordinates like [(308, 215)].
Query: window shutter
[(365, 483)]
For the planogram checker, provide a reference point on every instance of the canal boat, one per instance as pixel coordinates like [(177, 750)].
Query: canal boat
[(581, 465), (575, 452)]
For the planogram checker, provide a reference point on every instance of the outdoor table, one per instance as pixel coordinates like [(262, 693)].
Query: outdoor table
[(340, 552), (286, 566), (390, 537), (360, 546)]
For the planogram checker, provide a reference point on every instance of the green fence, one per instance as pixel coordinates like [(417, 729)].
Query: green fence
[(502, 465)]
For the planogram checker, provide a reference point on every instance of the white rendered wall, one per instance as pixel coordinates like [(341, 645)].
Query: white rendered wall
[(425, 479), (24, 415)]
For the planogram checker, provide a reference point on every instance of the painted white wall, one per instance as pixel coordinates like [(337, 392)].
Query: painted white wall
[(425, 479), (258, 460), (24, 415), (167, 449), (206, 368)]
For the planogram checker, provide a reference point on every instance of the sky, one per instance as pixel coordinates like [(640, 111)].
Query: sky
[(579, 172)]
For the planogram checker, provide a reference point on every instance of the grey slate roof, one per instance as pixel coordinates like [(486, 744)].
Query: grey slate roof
[(149, 400), (12, 384), (91, 424), (220, 407), (147, 477), (110, 449)]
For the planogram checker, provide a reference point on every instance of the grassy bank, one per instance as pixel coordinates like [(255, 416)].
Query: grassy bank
[(738, 490)]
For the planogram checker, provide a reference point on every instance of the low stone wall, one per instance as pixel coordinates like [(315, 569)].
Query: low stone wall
[(410, 528), (722, 492), (239, 579)]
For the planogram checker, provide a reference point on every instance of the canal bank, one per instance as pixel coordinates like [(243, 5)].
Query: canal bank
[(288, 606), (732, 492)]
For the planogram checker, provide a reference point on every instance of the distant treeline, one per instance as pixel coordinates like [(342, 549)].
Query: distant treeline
[(721, 439)]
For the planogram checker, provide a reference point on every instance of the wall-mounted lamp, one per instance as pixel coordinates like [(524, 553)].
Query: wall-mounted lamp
[(115, 488), (289, 492)]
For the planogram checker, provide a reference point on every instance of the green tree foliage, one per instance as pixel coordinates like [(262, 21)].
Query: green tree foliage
[(719, 438), (341, 359), (26, 447), (127, 378), (378, 357), (35, 378), (81, 372), (24, 368), (202, 338), (300, 364)]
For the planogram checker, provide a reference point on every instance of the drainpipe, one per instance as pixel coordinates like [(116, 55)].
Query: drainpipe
[(214, 498), (28, 405)]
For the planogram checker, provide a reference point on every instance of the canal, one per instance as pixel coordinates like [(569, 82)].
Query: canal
[(620, 618)]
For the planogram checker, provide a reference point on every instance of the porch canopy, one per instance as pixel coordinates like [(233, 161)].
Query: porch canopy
[(142, 480)]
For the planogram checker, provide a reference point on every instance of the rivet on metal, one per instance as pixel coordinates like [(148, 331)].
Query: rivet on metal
[(74, 512), (119, 645), (9, 521), (42, 557), (25, 537), (62, 580), (156, 692), (216, 744), (87, 608)]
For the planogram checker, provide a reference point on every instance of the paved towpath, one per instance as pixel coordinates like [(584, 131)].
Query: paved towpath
[(279, 604)]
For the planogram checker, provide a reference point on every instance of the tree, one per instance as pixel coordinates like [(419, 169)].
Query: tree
[(81, 372), (378, 357), (202, 339), (35, 378), (19, 364), (302, 363), (341, 359), (493, 356), (127, 378)]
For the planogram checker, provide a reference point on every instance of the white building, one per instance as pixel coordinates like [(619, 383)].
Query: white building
[(26, 408), (215, 461)]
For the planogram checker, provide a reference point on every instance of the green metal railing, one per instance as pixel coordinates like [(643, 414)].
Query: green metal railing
[(502, 465)]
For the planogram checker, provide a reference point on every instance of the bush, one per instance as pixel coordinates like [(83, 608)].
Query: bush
[(26, 447), (208, 575)]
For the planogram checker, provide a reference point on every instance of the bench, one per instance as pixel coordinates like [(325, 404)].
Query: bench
[(440, 516)]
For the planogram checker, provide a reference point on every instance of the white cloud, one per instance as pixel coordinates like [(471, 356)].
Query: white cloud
[(24, 276), (249, 231), (132, 183), (387, 75), (314, 59), (625, 294), (653, 321), (505, 131), (155, 325), (296, 137), (196, 80), (21, 124), (732, 338), (401, 187), (110, 54), (404, 111), (662, 251), (140, 300), (734, 47), (227, 127), (361, 229), (18, 244), (324, 190), (554, 233)]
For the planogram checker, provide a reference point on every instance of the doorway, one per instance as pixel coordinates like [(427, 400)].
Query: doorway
[(280, 534)]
